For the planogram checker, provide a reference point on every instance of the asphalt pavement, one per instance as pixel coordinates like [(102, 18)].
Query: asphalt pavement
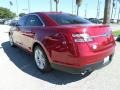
[(18, 72)]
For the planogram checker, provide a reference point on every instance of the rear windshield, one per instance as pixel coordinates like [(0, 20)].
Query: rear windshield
[(64, 19)]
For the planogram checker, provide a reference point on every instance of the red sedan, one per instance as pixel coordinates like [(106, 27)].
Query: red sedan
[(63, 41)]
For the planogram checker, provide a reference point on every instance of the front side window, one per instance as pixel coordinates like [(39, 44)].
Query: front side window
[(33, 20), (22, 21), (64, 19)]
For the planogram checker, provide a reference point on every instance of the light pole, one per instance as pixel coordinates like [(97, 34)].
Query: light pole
[(86, 10), (72, 6), (10, 5), (98, 9), (29, 6), (17, 7), (51, 5)]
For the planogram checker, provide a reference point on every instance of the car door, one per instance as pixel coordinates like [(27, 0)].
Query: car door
[(33, 22), (17, 30)]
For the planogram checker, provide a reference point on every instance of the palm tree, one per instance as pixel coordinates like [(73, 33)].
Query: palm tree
[(118, 20), (78, 3), (57, 2), (107, 12), (116, 8), (113, 5)]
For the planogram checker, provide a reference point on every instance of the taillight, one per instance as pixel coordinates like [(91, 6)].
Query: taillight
[(82, 37)]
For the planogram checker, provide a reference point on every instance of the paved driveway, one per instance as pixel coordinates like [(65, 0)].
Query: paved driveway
[(18, 72)]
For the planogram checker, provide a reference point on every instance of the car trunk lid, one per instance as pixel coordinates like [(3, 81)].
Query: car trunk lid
[(97, 37)]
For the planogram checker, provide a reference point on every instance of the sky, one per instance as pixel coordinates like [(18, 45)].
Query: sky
[(88, 6)]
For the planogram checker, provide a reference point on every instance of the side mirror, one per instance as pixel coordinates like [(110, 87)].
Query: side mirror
[(17, 24)]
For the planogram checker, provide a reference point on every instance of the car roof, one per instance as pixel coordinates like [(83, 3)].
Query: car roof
[(47, 13)]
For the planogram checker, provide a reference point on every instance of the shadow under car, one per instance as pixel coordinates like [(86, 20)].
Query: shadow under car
[(25, 62)]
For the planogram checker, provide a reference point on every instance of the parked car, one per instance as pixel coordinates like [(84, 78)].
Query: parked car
[(63, 41), (118, 20), (2, 21), (7, 22), (86, 18), (94, 20), (113, 20), (101, 20)]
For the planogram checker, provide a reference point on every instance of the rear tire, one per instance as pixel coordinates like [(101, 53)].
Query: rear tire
[(41, 60)]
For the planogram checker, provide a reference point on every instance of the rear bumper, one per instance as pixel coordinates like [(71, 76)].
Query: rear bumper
[(93, 57), (90, 67)]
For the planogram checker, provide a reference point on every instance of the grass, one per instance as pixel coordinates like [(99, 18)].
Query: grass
[(116, 33)]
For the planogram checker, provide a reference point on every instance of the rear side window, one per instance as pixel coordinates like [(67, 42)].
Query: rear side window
[(33, 20), (22, 21), (64, 19)]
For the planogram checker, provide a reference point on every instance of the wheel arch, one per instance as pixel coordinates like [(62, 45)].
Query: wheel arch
[(43, 48)]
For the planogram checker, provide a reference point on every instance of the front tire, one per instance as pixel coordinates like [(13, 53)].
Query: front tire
[(41, 60), (11, 40)]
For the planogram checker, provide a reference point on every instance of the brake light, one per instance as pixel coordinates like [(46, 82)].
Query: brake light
[(82, 37)]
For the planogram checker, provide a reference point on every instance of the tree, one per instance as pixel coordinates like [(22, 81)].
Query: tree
[(107, 10), (21, 14), (6, 13), (78, 3), (114, 6), (57, 2)]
